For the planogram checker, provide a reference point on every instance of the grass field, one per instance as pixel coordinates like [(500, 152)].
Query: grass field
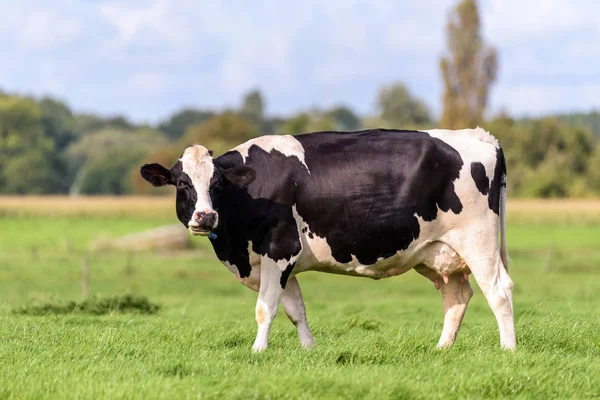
[(375, 339)]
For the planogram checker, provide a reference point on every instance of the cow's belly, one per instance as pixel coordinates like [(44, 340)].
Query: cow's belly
[(432, 259), (384, 268)]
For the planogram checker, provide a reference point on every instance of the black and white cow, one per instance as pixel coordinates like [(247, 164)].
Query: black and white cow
[(374, 203)]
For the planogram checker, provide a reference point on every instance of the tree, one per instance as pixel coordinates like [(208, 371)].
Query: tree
[(113, 151), (344, 119), (468, 70), (89, 123), (99, 143), (296, 125), (545, 157), (220, 133), (20, 126), (272, 126), (29, 162), (57, 120), (175, 127), (399, 108), (253, 107), (167, 156), (36, 171), (109, 173), (593, 176), (590, 120)]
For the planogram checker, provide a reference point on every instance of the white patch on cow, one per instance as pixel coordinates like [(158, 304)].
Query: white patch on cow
[(464, 134), (197, 163), (283, 263), (285, 144), (316, 247), (232, 267), (252, 281), (253, 257), (470, 150)]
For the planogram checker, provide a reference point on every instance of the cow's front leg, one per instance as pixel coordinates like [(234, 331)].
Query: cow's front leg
[(293, 304), (269, 297)]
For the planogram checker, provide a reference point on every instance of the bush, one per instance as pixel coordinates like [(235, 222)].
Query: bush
[(95, 306)]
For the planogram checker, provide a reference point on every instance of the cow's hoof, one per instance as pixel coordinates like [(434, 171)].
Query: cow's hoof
[(258, 348), (308, 345)]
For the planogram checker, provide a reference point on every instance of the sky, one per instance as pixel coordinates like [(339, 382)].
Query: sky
[(147, 59)]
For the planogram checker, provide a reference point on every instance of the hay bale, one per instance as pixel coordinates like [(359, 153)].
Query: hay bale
[(167, 237)]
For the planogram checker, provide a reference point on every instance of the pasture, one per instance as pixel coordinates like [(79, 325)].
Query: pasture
[(375, 339)]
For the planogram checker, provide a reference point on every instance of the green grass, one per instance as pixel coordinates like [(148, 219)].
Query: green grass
[(375, 339)]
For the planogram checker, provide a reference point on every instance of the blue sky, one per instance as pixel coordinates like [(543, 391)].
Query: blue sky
[(146, 59)]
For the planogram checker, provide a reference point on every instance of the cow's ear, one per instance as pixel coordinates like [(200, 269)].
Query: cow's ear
[(156, 174), (240, 175)]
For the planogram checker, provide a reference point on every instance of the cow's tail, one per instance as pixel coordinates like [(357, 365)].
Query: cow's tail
[(502, 211)]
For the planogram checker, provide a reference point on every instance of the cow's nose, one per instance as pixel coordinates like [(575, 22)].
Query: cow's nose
[(205, 219)]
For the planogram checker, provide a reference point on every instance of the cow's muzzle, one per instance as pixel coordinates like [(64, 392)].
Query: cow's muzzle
[(203, 222)]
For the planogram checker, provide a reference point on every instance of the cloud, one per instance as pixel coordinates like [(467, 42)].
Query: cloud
[(34, 28), (142, 23), (45, 30)]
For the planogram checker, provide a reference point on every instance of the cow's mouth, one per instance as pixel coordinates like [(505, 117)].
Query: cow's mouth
[(196, 231)]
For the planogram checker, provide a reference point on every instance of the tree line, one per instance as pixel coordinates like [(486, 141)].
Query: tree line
[(46, 148)]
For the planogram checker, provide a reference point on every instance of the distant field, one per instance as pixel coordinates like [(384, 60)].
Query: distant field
[(375, 339), (55, 206), (519, 210)]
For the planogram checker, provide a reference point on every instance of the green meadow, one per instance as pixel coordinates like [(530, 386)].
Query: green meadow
[(374, 339)]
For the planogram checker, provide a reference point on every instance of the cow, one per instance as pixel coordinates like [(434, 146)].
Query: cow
[(372, 203)]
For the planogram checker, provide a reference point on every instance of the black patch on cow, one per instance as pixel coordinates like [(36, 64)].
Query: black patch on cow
[(310, 235), (481, 180), (365, 188), (232, 246), (498, 182), (156, 174), (285, 275)]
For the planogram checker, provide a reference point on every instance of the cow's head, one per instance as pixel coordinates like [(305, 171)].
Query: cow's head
[(200, 181)]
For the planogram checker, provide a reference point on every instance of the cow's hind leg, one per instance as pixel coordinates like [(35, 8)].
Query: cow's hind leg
[(293, 304), (456, 294), (497, 288)]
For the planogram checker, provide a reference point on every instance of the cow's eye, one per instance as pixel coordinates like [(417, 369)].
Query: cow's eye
[(181, 184)]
